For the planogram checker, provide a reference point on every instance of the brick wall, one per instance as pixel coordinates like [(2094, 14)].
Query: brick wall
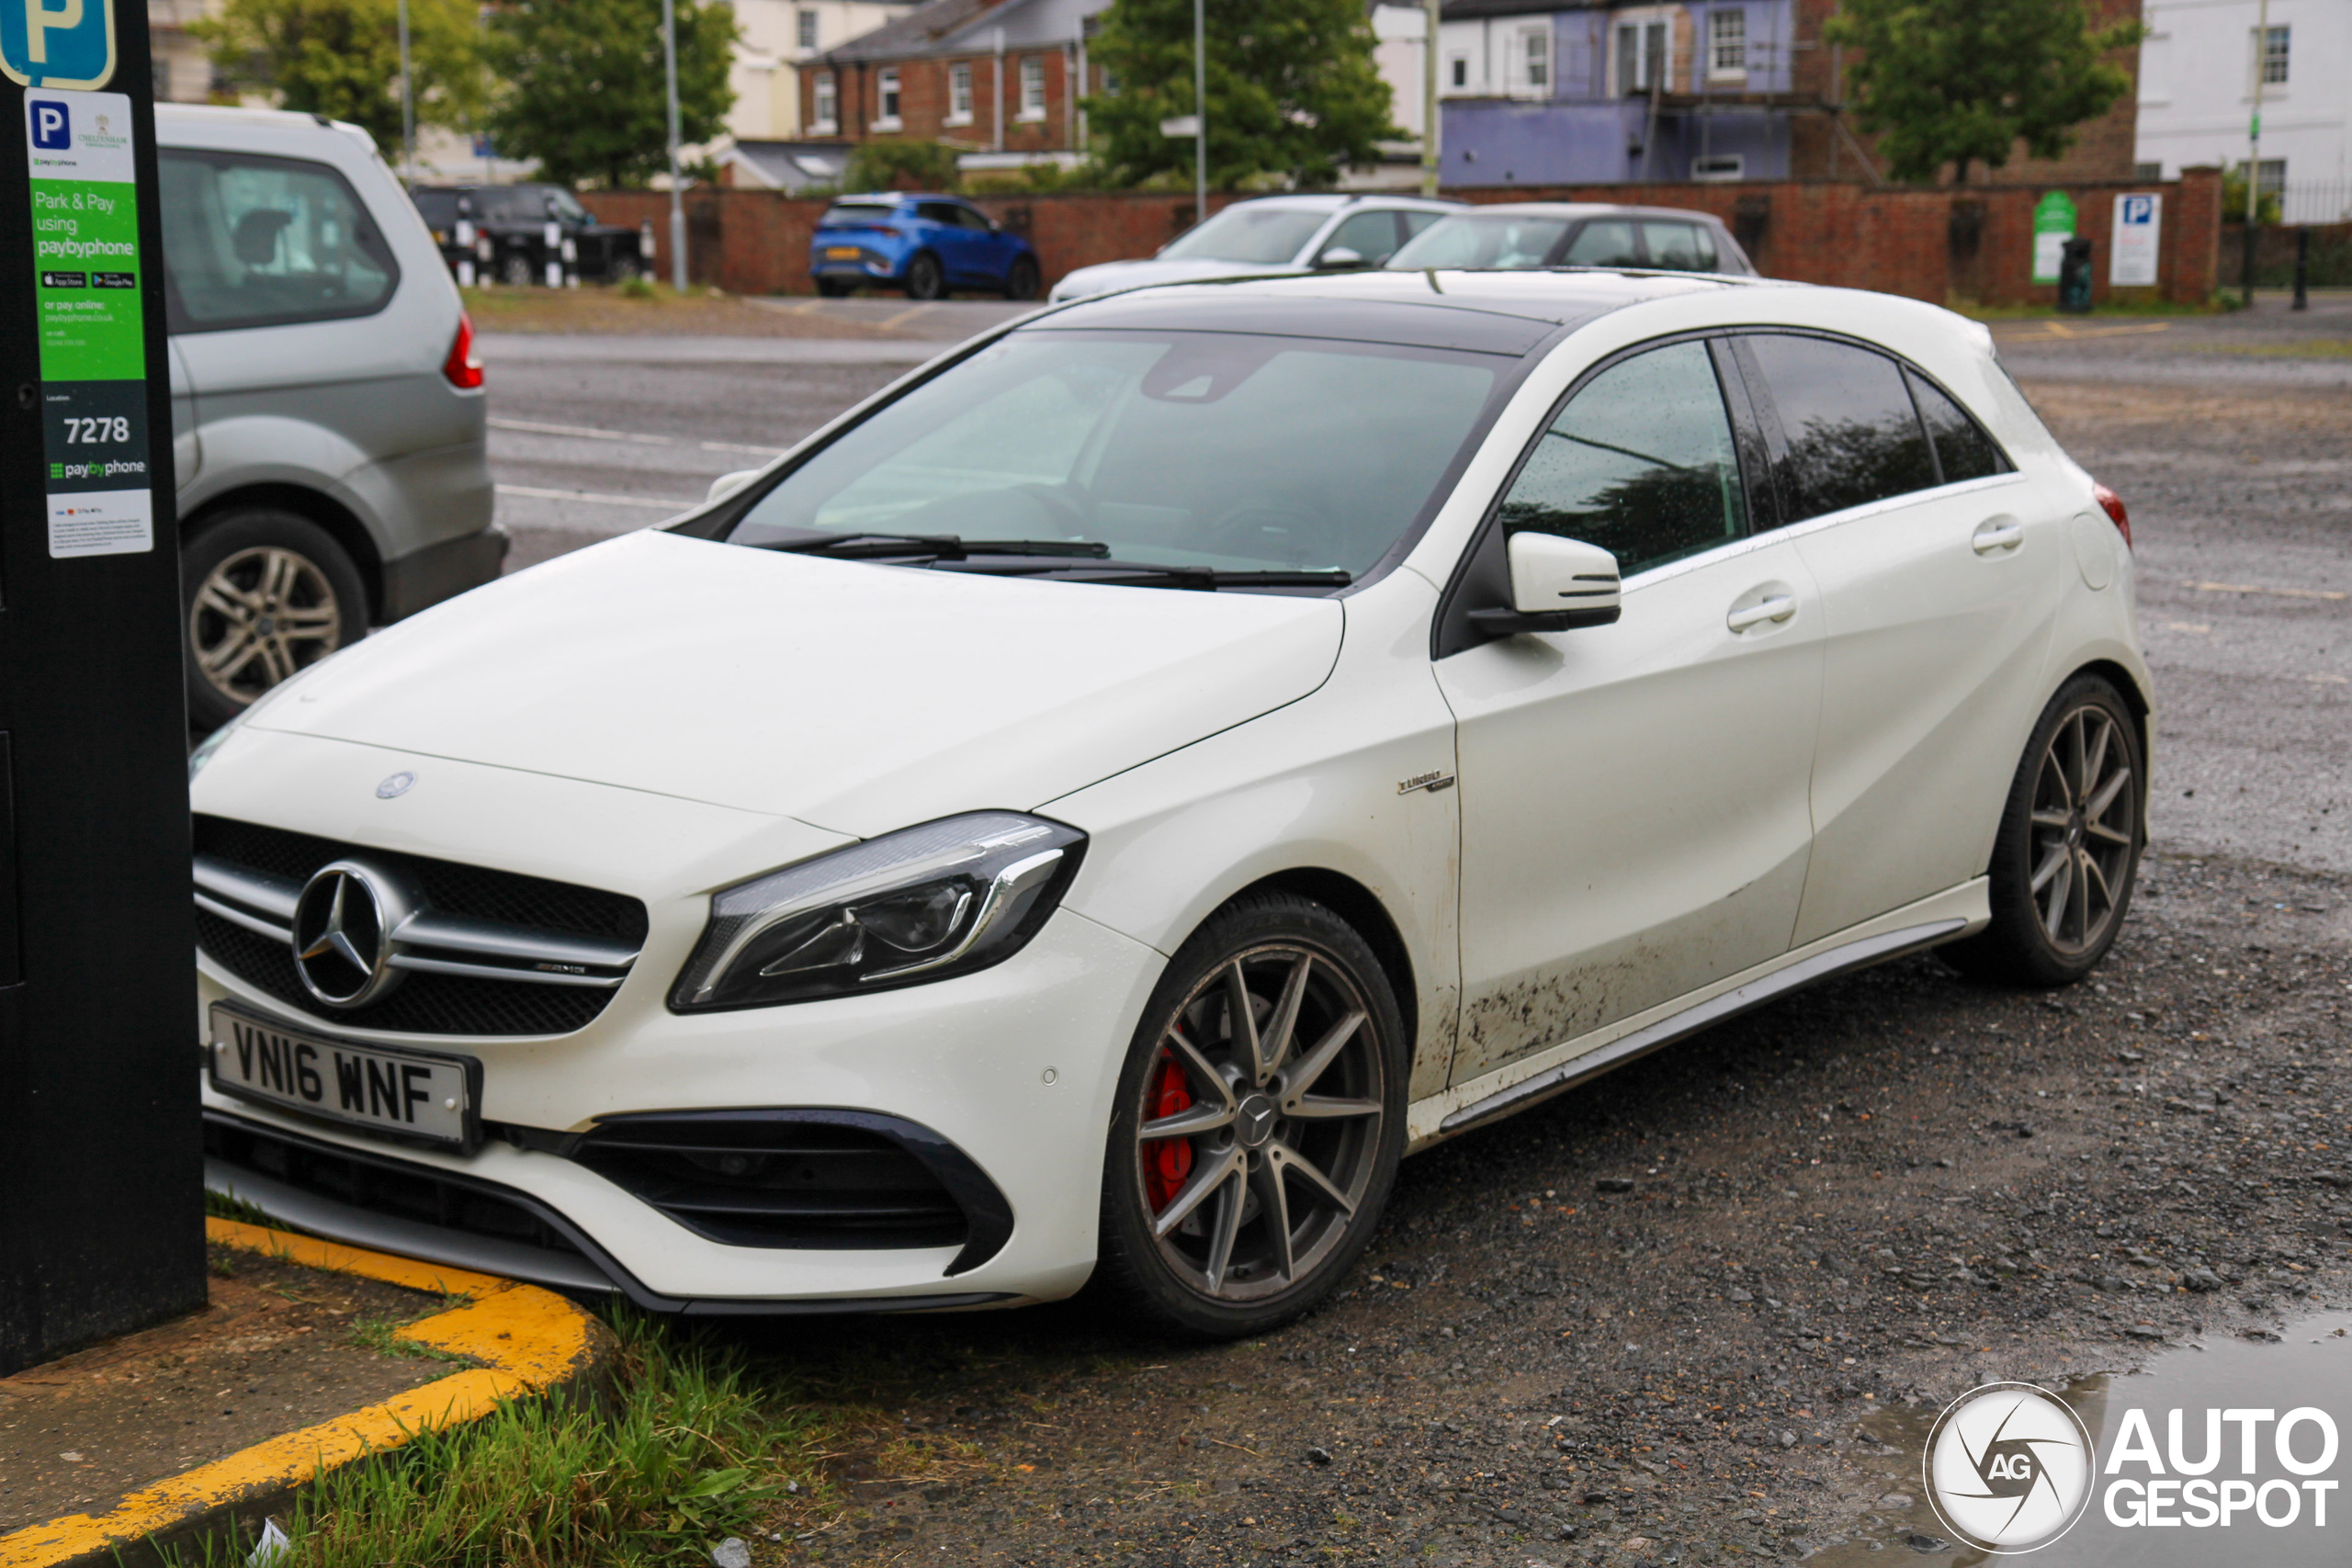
[(1936, 245)]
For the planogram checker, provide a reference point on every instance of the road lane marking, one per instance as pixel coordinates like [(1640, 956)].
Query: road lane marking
[(2276, 592), (590, 432), (2060, 329), (535, 493)]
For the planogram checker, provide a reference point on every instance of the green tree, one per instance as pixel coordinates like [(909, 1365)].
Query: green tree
[(583, 84), (1963, 81), (887, 164), (341, 59), (1292, 90)]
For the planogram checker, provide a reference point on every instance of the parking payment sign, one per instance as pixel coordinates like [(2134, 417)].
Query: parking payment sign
[(89, 295), (2131, 256), (58, 43)]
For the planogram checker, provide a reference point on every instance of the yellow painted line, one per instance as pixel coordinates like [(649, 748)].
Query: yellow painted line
[(2060, 329), (526, 1338), (2275, 593)]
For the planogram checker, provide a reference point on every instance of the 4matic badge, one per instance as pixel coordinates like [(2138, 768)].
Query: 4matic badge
[(2009, 1468)]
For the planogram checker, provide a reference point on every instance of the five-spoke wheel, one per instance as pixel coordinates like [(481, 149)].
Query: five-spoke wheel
[(1260, 1120)]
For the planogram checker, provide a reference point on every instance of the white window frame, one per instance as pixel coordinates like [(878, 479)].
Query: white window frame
[(1457, 73), (2265, 57), (959, 93), (888, 96), (1725, 168), (808, 31), (1528, 63), (1640, 20), (825, 104), (1032, 74), (1723, 20)]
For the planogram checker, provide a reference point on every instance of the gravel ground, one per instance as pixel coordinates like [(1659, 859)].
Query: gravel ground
[(1681, 1313)]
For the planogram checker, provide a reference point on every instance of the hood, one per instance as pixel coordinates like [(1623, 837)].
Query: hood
[(1105, 277), (856, 697)]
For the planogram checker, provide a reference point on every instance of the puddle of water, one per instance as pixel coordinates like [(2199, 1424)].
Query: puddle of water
[(2311, 1366)]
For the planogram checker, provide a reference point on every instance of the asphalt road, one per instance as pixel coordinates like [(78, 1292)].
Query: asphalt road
[(1701, 1311)]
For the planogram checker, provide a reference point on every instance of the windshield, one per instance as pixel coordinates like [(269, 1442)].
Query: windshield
[(1474, 240), (1267, 236), (1226, 450)]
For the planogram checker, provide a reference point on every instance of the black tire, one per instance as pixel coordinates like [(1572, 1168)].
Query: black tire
[(2073, 825), (1327, 1158), (262, 594), (517, 271), (926, 279), (1021, 279), (835, 288)]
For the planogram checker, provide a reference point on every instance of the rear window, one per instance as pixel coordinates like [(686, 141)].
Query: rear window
[(255, 241), (857, 214)]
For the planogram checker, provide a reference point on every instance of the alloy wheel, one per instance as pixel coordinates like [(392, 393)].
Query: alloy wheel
[(261, 615), (1260, 1131), (2085, 827)]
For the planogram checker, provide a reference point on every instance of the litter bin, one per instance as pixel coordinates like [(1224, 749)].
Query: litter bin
[(2074, 277)]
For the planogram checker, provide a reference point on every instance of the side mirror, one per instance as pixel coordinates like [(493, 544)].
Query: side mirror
[(726, 485), (1556, 585), (1338, 258)]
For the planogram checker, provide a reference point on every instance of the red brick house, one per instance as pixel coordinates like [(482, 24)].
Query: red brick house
[(982, 75)]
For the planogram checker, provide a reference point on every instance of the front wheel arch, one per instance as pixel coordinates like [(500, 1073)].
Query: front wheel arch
[(1360, 907), (341, 525)]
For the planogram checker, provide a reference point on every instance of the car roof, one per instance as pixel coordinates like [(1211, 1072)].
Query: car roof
[(1485, 312), (895, 197), (1333, 202), (1585, 210)]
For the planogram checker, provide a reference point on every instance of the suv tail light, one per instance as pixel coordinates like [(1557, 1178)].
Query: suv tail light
[(464, 367), (2113, 504)]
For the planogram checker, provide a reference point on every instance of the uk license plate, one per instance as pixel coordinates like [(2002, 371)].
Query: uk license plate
[(408, 1094), (841, 253)]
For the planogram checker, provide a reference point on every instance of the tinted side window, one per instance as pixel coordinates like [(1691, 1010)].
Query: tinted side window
[(1371, 235), (1853, 435), (1962, 449), (1640, 463), (1605, 243), (254, 242), (1416, 221), (938, 213), (1680, 247)]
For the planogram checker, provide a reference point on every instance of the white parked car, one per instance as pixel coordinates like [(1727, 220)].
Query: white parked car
[(1270, 236), (1096, 807)]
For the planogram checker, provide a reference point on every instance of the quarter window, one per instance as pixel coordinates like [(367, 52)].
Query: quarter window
[(1853, 436), (1962, 449), (1640, 462), (251, 241), (1680, 247)]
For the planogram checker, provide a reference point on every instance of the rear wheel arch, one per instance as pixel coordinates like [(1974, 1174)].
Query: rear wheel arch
[(339, 522), (2126, 686)]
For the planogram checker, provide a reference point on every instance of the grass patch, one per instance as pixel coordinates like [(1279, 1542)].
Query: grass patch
[(220, 1206), (689, 1449), (381, 1335)]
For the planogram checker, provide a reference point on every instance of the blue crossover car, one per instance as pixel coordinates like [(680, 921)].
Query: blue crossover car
[(928, 245)]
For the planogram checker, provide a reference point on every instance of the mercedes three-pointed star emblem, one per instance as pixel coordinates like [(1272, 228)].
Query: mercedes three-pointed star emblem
[(343, 932)]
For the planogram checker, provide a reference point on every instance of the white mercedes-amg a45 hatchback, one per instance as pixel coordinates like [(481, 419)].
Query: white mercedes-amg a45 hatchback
[(1091, 810)]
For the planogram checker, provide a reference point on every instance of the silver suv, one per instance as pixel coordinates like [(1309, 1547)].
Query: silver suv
[(1272, 235), (327, 414)]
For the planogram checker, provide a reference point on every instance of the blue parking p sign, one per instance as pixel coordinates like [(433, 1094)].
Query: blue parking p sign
[(57, 43)]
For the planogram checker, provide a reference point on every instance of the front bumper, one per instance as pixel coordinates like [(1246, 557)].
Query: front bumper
[(1015, 1066)]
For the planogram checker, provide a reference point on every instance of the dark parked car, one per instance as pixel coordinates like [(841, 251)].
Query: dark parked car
[(927, 245), (514, 220)]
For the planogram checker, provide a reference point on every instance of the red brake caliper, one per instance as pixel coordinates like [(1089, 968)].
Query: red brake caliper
[(1166, 1161)]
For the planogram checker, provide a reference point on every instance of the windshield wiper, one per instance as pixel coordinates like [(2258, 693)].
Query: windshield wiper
[(933, 547), (1143, 574)]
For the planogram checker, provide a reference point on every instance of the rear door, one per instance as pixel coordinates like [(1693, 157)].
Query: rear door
[(1940, 575), (942, 229)]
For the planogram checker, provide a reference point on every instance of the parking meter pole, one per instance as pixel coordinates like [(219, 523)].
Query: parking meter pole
[(2302, 267), (101, 1207), (1430, 145)]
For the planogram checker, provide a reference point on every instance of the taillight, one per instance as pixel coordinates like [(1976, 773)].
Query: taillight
[(2113, 504), (464, 367)]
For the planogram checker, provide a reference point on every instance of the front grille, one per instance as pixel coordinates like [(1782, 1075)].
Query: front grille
[(396, 1192), (424, 1003), (753, 1182)]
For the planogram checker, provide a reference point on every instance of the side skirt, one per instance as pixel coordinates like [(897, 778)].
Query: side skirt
[(1514, 1088)]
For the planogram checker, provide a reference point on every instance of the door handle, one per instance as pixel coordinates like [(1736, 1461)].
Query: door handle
[(1779, 607), (1991, 536)]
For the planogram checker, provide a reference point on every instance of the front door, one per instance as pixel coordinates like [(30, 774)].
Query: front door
[(1634, 811)]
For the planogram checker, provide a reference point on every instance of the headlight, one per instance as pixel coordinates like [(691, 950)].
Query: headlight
[(921, 904)]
